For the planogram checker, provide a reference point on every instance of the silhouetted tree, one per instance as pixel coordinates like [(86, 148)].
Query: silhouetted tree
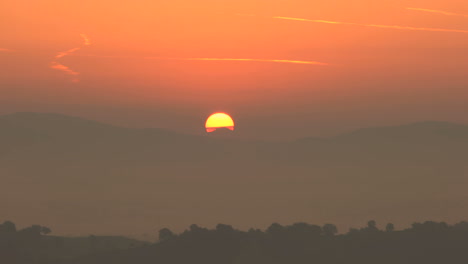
[(275, 228), (353, 231), (37, 230), (254, 231), (390, 227), (7, 227), (304, 229), (329, 230), (430, 226), (45, 230), (165, 234), (224, 228), (299, 243), (195, 228), (32, 233), (372, 226)]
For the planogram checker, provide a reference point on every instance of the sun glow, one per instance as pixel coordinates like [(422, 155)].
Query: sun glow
[(219, 120)]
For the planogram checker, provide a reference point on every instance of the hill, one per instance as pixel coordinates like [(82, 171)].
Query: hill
[(69, 172)]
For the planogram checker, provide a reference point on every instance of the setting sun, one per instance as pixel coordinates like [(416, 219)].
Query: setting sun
[(313, 110), (219, 120)]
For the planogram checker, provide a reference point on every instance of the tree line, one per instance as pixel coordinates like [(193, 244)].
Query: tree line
[(421, 243)]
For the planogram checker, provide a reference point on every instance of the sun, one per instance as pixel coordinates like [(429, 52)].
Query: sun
[(219, 120)]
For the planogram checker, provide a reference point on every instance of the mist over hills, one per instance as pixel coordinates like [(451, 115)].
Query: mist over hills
[(81, 176)]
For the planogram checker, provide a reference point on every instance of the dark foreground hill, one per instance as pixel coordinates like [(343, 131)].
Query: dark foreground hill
[(87, 177), (34, 245), (423, 243)]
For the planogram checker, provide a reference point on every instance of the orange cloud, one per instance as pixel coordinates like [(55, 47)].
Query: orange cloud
[(87, 41), (5, 50), (436, 11), (372, 25), (58, 66), (66, 53)]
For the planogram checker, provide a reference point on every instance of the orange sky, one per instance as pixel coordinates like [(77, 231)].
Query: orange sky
[(375, 71)]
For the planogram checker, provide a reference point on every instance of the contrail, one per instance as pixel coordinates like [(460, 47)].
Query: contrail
[(214, 59), (437, 11), (373, 25), (252, 60), (58, 66)]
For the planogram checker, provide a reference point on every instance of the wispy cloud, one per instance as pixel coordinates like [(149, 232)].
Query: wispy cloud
[(248, 60), (214, 59), (436, 11), (373, 25), (5, 50), (66, 53), (58, 66), (87, 41)]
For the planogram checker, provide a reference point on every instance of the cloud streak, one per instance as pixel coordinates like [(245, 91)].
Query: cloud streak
[(248, 60), (58, 66), (373, 25), (87, 41), (5, 50), (436, 11), (305, 62)]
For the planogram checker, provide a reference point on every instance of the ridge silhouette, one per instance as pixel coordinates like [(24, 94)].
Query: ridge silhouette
[(423, 243), (92, 173)]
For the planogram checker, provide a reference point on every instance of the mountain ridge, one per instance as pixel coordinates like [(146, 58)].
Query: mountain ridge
[(127, 179), (35, 121)]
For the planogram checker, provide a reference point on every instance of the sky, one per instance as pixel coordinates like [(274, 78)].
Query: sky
[(283, 69)]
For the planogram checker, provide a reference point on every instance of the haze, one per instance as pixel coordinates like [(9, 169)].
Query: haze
[(344, 111)]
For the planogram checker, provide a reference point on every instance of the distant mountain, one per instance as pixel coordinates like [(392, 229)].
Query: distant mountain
[(84, 139), (416, 132), (53, 131), (70, 171), (221, 132)]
